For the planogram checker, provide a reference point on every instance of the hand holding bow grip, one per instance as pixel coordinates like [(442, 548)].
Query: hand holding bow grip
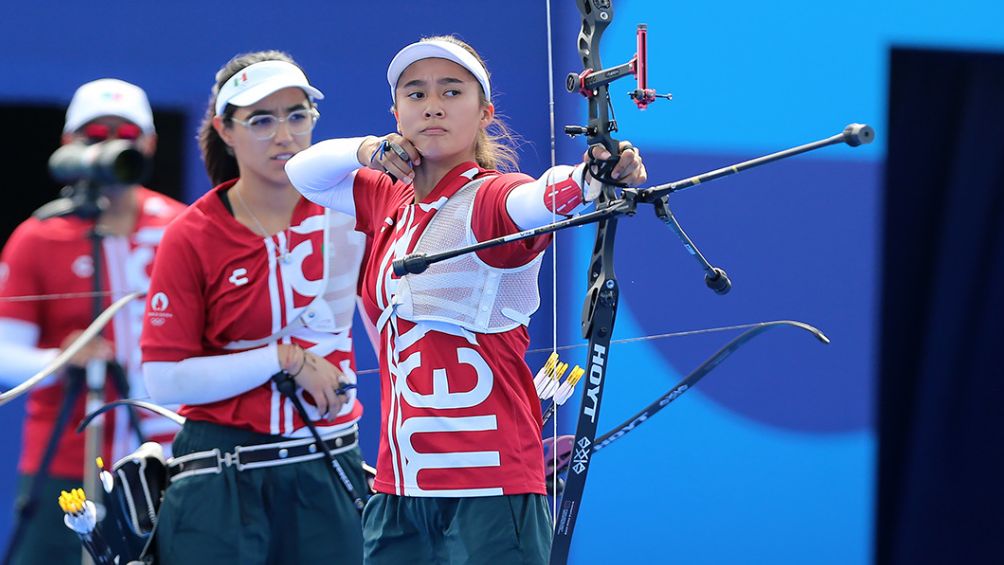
[(602, 169)]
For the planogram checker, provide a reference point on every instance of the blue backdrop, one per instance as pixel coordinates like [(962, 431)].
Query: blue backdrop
[(771, 459)]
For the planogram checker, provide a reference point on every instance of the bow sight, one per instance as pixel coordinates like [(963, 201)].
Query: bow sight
[(592, 84), (588, 80)]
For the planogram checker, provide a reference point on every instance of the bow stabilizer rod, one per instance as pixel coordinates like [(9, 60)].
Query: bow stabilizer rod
[(418, 262), (853, 135)]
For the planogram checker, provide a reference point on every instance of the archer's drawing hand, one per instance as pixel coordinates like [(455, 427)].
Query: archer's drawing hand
[(391, 154)]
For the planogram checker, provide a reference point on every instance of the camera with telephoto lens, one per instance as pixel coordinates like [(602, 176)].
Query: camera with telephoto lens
[(107, 163)]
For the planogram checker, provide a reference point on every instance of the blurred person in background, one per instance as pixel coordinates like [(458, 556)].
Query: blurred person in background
[(47, 292)]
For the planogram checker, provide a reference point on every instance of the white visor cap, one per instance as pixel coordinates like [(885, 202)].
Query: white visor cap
[(254, 82), (436, 49), (109, 97)]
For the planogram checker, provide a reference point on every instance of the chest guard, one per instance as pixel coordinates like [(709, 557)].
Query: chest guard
[(464, 290)]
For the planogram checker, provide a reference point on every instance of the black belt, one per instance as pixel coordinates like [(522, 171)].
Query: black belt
[(245, 457)]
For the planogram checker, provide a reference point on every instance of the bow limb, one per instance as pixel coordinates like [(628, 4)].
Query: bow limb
[(563, 446), (697, 374), (155, 408), (64, 357), (600, 309)]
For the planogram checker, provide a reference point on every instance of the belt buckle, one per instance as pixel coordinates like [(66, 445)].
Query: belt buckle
[(232, 459)]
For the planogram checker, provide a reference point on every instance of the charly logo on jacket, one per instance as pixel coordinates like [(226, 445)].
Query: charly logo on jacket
[(157, 312), (238, 278)]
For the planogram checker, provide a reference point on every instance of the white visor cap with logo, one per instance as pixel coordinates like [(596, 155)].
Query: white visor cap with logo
[(254, 82), (436, 49), (109, 97)]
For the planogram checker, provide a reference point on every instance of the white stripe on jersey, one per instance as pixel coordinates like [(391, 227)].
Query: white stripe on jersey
[(287, 407), (384, 291), (114, 259), (287, 288), (273, 285), (273, 300), (286, 295)]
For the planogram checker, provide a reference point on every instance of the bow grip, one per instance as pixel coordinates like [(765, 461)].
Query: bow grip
[(602, 169)]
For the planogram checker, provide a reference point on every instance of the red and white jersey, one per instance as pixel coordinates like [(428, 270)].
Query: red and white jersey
[(217, 285), (460, 412), (53, 257)]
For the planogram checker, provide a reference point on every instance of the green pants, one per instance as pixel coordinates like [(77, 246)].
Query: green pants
[(45, 539), (291, 513), (510, 530)]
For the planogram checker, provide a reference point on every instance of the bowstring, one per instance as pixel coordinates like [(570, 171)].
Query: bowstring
[(554, 259), (65, 295), (650, 337)]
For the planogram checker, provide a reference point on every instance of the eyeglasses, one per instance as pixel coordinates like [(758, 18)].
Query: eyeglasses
[(265, 126), (100, 132)]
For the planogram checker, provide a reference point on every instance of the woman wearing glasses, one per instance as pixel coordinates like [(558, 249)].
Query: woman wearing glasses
[(460, 474), (256, 286)]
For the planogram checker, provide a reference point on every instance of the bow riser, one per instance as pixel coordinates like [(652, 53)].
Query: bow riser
[(596, 16), (600, 309)]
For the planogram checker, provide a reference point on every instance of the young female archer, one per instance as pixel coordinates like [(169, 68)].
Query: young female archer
[(460, 472)]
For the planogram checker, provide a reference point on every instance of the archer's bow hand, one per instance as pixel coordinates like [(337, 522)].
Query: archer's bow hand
[(629, 170)]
